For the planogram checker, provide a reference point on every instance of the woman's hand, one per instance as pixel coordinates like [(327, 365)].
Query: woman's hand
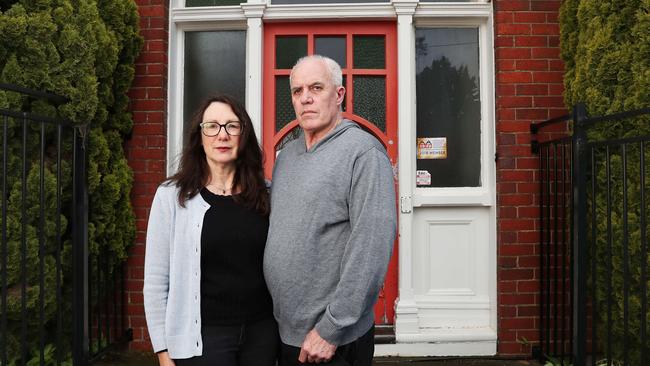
[(165, 360)]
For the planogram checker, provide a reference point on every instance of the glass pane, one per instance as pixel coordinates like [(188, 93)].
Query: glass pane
[(326, 1), (448, 105), (288, 49), (215, 62), (192, 3), (370, 99), (292, 135), (332, 47), (369, 52), (283, 108)]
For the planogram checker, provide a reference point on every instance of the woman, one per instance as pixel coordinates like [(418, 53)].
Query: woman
[(205, 298)]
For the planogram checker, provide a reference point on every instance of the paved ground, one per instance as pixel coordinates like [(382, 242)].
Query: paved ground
[(147, 359)]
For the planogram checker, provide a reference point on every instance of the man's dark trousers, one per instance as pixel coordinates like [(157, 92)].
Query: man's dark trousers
[(357, 353)]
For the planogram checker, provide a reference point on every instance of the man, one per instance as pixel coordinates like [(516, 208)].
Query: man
[(332, 226)]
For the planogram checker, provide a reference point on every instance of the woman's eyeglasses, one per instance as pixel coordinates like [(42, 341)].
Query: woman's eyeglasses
[(233, 128)]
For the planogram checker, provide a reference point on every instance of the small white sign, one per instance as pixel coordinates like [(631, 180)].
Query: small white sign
[(422, 178), (432, 148)]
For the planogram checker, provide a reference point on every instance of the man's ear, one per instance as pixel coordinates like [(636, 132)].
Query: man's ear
[(340, 93)]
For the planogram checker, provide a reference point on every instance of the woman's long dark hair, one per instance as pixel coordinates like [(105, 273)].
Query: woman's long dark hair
[(193, 171)]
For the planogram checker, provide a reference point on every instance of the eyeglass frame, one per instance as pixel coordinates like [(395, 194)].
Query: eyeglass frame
[(224, 126)]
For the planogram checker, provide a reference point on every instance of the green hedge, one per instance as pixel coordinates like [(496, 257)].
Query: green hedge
[(605, 45), (84, 50)]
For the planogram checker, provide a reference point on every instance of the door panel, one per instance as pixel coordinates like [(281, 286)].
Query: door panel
[(366, 52)]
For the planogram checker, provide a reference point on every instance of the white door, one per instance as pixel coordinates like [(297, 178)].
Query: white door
[(447, 283)]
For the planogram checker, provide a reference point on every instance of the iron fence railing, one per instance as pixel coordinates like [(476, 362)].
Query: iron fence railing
[(593, 238), (58, 302)]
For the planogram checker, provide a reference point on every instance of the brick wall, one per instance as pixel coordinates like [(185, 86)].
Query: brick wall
[(146, 150), (528, 88)]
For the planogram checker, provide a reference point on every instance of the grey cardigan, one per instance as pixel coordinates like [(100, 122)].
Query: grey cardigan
[(172, 273)]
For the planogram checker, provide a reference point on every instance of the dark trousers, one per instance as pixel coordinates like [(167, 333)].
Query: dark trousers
[(254, 344), (357, 353)]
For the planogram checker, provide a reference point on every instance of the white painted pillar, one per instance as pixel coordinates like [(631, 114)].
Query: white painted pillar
[(253, 11), (406, 311)]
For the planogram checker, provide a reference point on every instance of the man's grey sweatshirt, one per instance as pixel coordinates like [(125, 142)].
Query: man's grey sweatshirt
[(332, 228)]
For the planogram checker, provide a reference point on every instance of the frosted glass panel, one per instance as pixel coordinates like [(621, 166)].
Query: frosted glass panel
[(370, 99), (332, 47), (448, 104), (369, 52), (283, 108), (214, 63), (288, 50)]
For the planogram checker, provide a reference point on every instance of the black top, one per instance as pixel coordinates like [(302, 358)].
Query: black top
[(233, 290)]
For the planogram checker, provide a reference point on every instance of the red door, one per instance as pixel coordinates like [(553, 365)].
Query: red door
[(367, 54)]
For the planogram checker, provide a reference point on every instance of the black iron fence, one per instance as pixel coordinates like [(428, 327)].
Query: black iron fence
[(60, 303), (593, 238)]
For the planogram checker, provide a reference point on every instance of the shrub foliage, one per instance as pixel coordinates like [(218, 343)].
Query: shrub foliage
[(605, 45), (84, 50)]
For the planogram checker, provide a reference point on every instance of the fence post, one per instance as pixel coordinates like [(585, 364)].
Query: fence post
[(579, 177), (80, 249)]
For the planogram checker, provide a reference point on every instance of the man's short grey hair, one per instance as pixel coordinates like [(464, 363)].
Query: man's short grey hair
[(335, 73)]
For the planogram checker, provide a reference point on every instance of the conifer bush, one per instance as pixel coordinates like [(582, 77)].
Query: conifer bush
[(605, 45), (84, 50)]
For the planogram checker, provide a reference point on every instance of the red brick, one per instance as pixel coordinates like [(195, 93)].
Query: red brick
[(532, 65), (151, 11), (545, 52), (503, 17), (528, 212), (515, 299), (146, 80), (148, 154), (507, 311), (529, 17), (513, 53), (518, 323), (513, 29), (515, 249), (504, 41), (548, 29), (152, 57), (505, 5), (513, 126), (515, 199), (548, 5), (506, 188), (531, 286), (528, 237), (514, 77), (137, 321), (507, 286), (506, 262), (526, 163), (505, 89), (530, 261), (506, 114), (155, 93), (136, 298), (148, 129), (156, 69), (556, 65), (532, 89), (548, 77), (156, 33), (159, 23), (510, 348), (548, 101), (516, 175), (531, 41), (515, 101), (555, 89), (532, 114)]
